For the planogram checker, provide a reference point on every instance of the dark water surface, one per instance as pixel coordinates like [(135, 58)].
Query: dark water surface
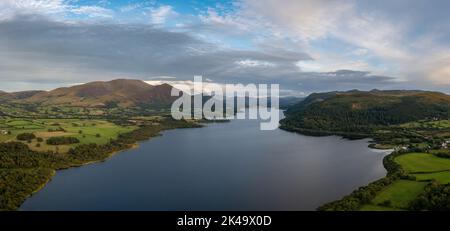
[(224, 166)]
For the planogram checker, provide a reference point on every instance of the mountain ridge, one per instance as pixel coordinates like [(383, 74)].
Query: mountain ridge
[(120, 92), (8, 96)]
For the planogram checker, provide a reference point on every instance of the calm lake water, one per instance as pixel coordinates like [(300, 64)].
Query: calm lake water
[(223, 166)]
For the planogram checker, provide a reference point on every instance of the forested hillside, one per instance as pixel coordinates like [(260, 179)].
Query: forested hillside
[(359, 111)]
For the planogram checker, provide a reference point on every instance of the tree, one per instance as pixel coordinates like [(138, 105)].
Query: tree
[(60, 140), (25, 136)]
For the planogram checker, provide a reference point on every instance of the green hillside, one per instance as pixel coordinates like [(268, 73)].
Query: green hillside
[(359, 111)]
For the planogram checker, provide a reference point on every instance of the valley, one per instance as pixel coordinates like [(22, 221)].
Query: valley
[(41, 132)]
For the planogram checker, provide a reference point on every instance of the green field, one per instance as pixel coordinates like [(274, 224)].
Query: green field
[(439, 124), (423, 163), (441, 177), (378, 208), (87, 131), (399, 194)]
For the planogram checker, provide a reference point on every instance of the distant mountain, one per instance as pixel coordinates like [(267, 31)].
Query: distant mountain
[(286, 102), (4, 96), (361, 110), (120, 92)]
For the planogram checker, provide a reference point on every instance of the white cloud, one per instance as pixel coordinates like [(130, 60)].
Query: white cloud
[(435, 68), (159, 15), (307, 19), (330, 65), (9, 8), (226, 21), (187, 85), (372, 33), (254, 63), (208, 86), (130, 7), (256, 40), (93, 11), (441, 75), (360, 52), (383, 45), (53, 8), (162, 77)]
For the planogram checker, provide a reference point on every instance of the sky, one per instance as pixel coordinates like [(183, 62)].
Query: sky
[(304, 45)]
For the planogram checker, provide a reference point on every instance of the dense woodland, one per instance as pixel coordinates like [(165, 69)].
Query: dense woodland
[(60, 140), (436, 197), (363, 112), (18, 183), (25, 136)]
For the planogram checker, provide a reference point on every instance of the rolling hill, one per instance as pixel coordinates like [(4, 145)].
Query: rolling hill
[(120, 92), (360, 111), (4, 96)]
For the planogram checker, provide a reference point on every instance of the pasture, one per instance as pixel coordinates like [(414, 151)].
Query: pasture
[(441, 177), (438, 124), (87, 131), (399, 194), (370, 207), (423, 163)]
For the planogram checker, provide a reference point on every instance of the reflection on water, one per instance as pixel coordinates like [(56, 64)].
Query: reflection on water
[(224, 166)]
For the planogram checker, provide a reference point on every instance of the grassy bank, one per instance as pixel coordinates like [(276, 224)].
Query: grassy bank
[(410, 175), (85, 130)]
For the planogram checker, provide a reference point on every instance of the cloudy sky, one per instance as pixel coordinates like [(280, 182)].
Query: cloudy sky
[(303, 45)]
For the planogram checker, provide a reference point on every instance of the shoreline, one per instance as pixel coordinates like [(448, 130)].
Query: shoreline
[(375, 152), (319, 133), (43, 184), (393, 170), (54, 171), (131, 147)]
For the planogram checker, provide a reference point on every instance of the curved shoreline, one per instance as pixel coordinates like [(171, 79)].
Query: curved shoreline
[(44, 184), (108, 156), (54, 171), (374, 154), (394, 170)]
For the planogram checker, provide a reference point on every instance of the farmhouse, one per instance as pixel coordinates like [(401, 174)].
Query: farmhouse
[(401, 148), (446, 144)]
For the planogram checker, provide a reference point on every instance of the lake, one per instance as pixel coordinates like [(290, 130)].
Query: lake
[(223, 166)]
